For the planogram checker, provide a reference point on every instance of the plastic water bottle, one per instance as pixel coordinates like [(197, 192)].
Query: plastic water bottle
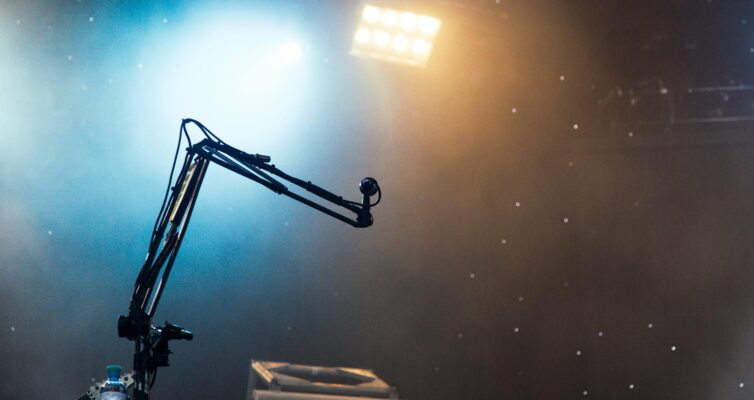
[(114, 388)]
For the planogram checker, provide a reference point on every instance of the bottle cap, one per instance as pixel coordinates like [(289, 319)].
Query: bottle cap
[(113, 371)]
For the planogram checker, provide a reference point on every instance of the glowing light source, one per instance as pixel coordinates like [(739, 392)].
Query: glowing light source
[(389, 17), (241, 71), (371, 14), (381, 38), (408, 21), (395, 36), (421, 47), (400, 42), (429, 25), (290, 52), (363, 35)]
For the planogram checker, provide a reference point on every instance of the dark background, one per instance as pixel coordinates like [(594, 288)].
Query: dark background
[(540, 237)]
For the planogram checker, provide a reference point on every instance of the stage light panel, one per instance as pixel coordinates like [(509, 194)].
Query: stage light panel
[(395, 36)]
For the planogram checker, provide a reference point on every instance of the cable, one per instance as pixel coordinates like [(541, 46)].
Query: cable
[(170, 179), (379, 197), (207, 133), (154, 378)]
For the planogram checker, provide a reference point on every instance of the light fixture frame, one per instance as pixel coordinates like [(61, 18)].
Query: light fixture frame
[(396, 36)]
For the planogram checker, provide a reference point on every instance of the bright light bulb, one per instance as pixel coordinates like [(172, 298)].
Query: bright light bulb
[(408, 21), (400, 42), (428, 25), (381, 39), (290, 52), (421, 47), (390, 17), (397, 36), (371, 14), (363, 35)]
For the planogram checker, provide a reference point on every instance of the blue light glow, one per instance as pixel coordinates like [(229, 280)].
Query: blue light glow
[(224, 67)]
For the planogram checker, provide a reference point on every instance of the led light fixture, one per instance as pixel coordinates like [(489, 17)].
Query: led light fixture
[(395, 36)]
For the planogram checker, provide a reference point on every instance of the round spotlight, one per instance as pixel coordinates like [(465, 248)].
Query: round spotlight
[(428, 25), (390, 17), (363, 36), (400, 43), (408, 21), (371, 14), (421, 47), (381, 38), (290, 53)]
